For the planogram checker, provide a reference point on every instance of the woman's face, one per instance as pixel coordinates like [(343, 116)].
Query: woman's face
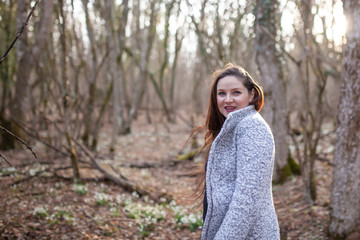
[(232, 95)]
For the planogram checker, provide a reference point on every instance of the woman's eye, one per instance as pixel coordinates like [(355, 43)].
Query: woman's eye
[(221, 94), (237, 93)]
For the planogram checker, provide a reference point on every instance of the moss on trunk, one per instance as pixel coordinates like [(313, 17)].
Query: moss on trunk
[(295, 167), (6, 141), (291, 168)]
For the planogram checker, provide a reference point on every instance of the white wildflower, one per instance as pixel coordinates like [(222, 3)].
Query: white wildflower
[(79, 188), (102, 198), (41, 211), (135, 194)]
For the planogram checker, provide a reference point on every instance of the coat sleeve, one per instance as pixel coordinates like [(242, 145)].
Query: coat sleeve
[(254, 157)]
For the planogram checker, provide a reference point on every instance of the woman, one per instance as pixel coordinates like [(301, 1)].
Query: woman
[(238, 166)]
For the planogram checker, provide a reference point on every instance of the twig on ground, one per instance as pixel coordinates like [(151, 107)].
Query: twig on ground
[(325, 160), (297, 211), (122, 180), (164, 163), (119, 219), (27, 178)]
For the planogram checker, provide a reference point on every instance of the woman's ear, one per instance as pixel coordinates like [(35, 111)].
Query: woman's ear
[(252, 95)]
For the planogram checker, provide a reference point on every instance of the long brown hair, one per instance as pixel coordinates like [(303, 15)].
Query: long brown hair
[(215, 120)]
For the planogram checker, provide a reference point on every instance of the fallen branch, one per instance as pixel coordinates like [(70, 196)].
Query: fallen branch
[(21, 29), (122, 180), (83, 179), (325, 160), (164, 163), (297, 212), (24, 179), (53, 171)]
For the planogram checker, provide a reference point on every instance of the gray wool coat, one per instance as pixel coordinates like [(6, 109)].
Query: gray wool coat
[(238, 180)]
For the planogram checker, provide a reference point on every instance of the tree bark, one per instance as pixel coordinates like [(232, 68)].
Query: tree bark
[(115, 74), (19, 104), (66, 98), (93, 76), (27, 57), (178, 43), (345, 194), (7, 68), (268, 61)]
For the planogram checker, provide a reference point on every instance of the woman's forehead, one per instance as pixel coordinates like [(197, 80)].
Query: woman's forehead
[(230, 82)]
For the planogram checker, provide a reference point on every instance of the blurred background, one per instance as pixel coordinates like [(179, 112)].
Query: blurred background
[(117, 86)]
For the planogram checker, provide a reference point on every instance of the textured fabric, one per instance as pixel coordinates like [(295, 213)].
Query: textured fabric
[(238, 180)]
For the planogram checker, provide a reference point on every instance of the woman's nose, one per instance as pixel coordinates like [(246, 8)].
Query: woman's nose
[(228, 98)]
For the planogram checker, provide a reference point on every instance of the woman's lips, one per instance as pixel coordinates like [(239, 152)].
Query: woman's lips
[(230, 108)]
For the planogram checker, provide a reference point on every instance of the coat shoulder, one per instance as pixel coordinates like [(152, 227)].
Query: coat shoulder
[(252, 124)]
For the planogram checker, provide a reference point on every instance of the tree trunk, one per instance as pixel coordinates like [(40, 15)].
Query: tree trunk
[(115, 74), (66, 88), (268, 61), (27, 57), (345, 194), (7, 68), (178, 43), (19, 105), (88, 119)]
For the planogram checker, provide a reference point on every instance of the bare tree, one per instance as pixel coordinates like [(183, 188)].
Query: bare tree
[(269, 63), (66, 96), (7, 69), (159, 84), (313, 68), (143, 61), (200, 30), (115, 73), (178, 43), (27, 57), (92, 76), (159, 77), (345, 193)]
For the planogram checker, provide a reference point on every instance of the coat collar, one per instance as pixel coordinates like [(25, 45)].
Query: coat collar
[(238, 115), (234, 118)]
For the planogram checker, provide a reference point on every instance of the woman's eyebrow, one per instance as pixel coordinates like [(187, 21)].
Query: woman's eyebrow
[(220, 89)]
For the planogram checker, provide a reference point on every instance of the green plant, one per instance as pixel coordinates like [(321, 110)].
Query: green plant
[(80, 189), (60, 213), (183, 218), (7, 171), (101, 198), (145, 216), (40, 211)]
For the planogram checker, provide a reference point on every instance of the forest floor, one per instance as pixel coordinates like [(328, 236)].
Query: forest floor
[(35, 203)]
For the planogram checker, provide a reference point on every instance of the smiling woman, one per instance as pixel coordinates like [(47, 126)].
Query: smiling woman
[(239, 159), (232, 95)]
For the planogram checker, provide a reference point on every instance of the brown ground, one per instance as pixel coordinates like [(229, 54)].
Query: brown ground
[(48, 207)]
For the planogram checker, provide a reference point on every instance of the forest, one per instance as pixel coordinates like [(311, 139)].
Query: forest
[(98, 99)]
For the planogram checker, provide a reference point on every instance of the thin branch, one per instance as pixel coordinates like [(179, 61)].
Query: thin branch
[(297, 62), (21, 29), (2, 157), (24, 179), (38, 138), (19, 139)]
